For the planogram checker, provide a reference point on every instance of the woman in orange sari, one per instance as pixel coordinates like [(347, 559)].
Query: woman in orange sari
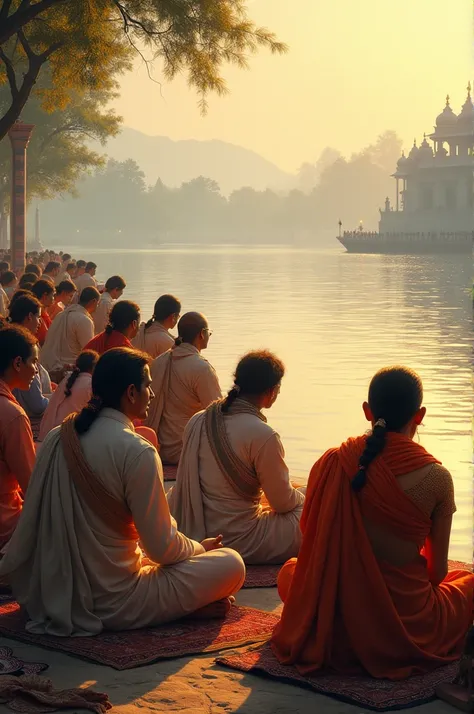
[(370, 591)]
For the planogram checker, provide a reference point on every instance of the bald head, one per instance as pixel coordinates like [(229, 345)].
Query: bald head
[(193, 329)]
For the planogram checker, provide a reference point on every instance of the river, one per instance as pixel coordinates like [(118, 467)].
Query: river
[(334, 319)]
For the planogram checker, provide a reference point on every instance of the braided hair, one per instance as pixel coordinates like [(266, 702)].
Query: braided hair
[(165, 306), (395, 395), (86, 362), (114, 372), (256, 373)]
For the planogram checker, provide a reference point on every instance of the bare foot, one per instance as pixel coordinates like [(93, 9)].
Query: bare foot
[(214, 611)]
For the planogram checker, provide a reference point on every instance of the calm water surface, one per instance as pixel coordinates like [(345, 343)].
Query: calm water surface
[(334, 319)]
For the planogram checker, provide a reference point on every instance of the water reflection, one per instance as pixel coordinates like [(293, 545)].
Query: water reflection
[(334, 319)]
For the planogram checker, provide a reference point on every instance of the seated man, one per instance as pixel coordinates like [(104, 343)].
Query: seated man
[(370, 591), (18, 358), (122, 327), (184, 383), (96, 490), (114, 288), (44, 291), (231, 458), (69, 333), (153, 336)]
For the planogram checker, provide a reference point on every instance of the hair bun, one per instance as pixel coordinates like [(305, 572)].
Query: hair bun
[(178, 341)]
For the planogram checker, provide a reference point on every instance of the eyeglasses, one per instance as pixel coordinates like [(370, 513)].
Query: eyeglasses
[(206, 329)]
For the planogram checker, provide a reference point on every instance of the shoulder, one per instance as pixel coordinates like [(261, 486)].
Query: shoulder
[(10, 411), (202, 365)]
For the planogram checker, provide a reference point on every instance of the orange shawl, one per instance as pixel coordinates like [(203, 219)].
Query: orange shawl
[(347, 612)]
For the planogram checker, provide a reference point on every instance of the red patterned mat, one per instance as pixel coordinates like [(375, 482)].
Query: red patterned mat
[(169, 472), (376, 694), (125, 650), (261, 576)]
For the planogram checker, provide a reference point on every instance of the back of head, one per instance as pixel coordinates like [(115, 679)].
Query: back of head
[(165, 306), (52, 266), (88, 295), (65, 286), (15, 341), (81, 264), (189, 327), (18, 294), (116, 282), (395, 396), (115, 371), (122, 315), (42, 287), (90, 266), (70, 267), (8, 277), (28, 280), (257, 372), (66, 257), (32, 268), (4, 265), (23, 306), (86, 362)]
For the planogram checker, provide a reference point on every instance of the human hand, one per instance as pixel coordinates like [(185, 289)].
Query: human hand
[(212, 543)]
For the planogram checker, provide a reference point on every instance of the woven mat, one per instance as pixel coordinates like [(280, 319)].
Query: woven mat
[(261, 576), (125, 650), (375, 694), (169, 472)]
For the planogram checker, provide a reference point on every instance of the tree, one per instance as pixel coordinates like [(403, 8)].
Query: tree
[(58, 154), (86, 43)]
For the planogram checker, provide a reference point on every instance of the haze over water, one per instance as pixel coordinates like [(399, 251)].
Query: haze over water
[(334, 319)]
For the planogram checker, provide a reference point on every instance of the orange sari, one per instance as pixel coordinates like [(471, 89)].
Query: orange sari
[(344, 610)]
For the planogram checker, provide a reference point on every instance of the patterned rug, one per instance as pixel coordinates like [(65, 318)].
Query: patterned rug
[(125, 650), (261, 576), (376, 694), (169, 472), (9, 664)]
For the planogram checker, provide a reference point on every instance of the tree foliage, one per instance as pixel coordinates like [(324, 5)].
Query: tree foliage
[(86, 43), (58, 152)]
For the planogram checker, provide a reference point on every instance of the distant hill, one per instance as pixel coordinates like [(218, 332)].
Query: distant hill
[(178, 161)]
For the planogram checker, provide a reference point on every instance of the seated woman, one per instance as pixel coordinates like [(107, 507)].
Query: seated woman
[(232, 458), (96, 490), (124, 320), (370, 590), (153, 336), (25, 310), (72, 394)]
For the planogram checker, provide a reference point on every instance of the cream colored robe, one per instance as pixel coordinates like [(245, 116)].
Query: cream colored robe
[(101, 315), (69, 332), (184, 383), (205, 504), (155, 340), (75, 575)]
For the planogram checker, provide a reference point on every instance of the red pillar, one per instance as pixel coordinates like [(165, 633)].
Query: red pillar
[(20, 135)]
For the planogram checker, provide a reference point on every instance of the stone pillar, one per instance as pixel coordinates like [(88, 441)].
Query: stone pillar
[(20, 135), (397, 200)]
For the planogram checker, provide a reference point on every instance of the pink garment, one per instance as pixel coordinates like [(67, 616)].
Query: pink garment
[(60, 406), (17, 458)]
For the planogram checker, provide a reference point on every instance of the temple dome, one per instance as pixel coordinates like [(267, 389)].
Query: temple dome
[(466, 117), (447, 118), (413, 152), (425, 149)]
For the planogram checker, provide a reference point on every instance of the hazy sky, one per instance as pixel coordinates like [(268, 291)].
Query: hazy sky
[(355, 68)]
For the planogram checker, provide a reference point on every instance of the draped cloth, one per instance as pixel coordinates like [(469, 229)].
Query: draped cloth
[(185, 499), (241, 477), (346, 611), (114, 512)]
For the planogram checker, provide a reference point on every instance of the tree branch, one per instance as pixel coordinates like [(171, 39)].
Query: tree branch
[(21, 17), (10, 70), (35, 62)]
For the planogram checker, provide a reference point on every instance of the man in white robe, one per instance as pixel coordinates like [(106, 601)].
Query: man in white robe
[(75, 573), (184, 383), (114, 288), (226, 496), (69, 332)]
